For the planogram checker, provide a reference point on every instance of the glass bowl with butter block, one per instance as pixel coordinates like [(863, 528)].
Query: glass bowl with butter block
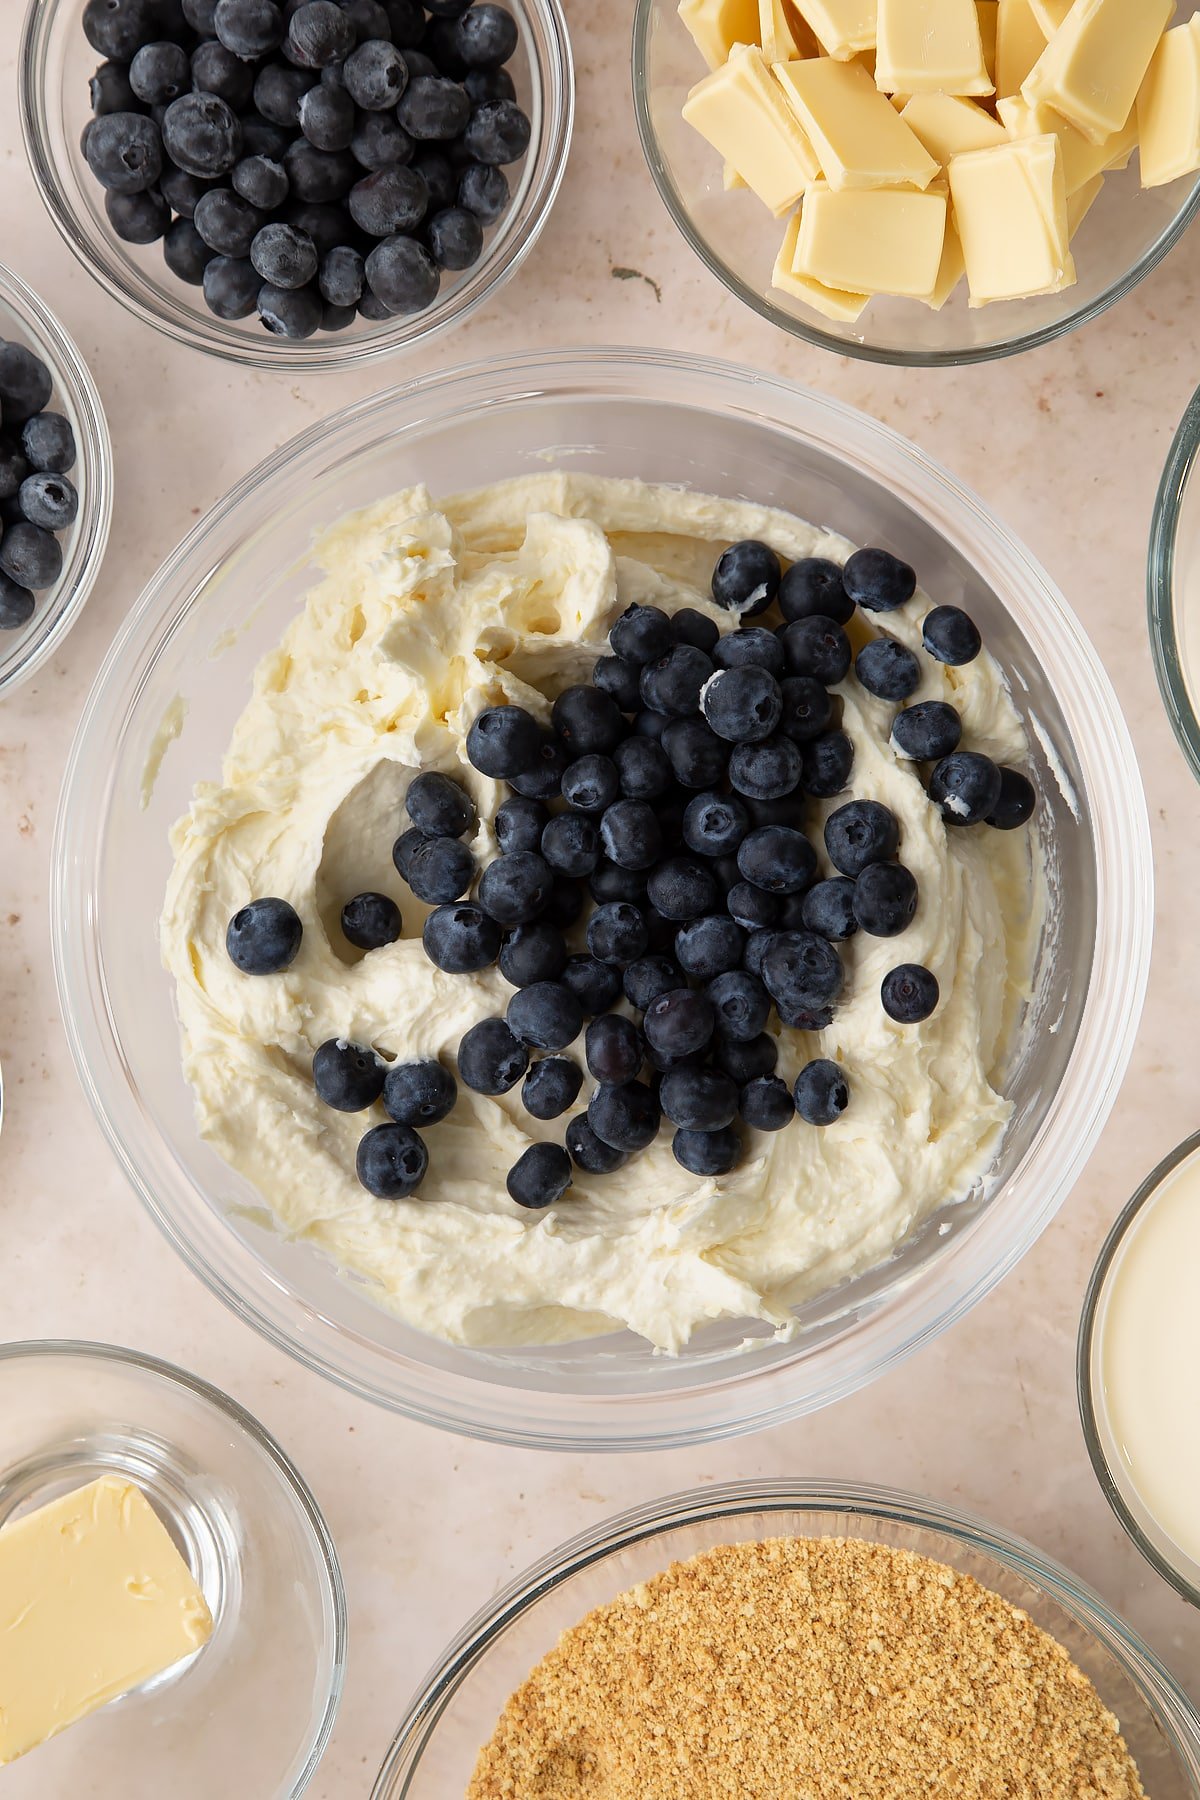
[(452, 1715), (1173, 585), (179, 676), (1139, 1338), (172, 1618), (908, 172)]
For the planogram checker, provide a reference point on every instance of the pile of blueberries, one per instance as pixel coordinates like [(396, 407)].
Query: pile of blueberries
[(672, 793), (37, 500), (314, 161)]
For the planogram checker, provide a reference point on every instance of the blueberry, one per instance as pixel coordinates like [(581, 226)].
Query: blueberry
[(371, 920), (263, 937), (340, 276), (588, 721), (679, 1023), (777, 858), (542, 779), (706, 1153), (752, 907), (446, 9), (138, 218), (519, 824), (369, 18), (746, 1061), (551, 1086), (885, 899), (17, 604), (391, 1161), (407, 848), (828, 908), (590, 783), (216, 70), (380, 140), (826, 765), (821, 1092), (201, 134), (119, 28), (376, 75), (590, 1153), (683, 887), (439, 871), (460, 938), (392, 199), (124, 152), (698, 757), (616, 933), (751, 647), (278, 91), (337, 318), (608, 881), (614, 1048), (263, 137), (489, 84), (630, 834), (565, 904), (185, 252), (698, 1099), (571, 844), (878, 581), (503, 742), (650, 724), (643, 769), (649, 977), (740, 1003), (228, 224), (419, 1093), (950, 636), (455, 238), (816, 646), (531, 953), (47, 439), (766, 1103), (491, 1057), (802, 972), (888, 669), (26, 384), (159, 73), (49, 501), (440, 173), (407, 21), (546, 1014), (626, 1117), (595, 984), (814, 585), (1016, 803), (485, 35), (965, 787), (742, 705), (709, 946), (439, 806), (766, 770), (327, 117), (746, 578), (109, 89), (201, 16), (319, 176), (348, 1076), (403, 275), (860, 833), (250, 29), (758, 938), (715, 824), (434, 110), (30, 556), (514, 889), (483, 190), (181, 191), (642, 635), (497, 132), (318, 34), (909, 993), (418, 62), (439, 44)]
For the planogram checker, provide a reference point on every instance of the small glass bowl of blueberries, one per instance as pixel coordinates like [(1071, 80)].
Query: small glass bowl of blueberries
[(298, 184), (56, 482)]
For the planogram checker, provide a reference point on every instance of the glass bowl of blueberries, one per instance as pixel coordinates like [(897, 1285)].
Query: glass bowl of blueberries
[(161, 716), (300, 185), (56, 482)]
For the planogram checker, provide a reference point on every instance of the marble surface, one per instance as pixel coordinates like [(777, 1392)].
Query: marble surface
[(1066, 444)]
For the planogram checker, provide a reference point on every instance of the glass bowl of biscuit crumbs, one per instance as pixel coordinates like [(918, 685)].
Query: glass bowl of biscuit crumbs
[(764, 1638)]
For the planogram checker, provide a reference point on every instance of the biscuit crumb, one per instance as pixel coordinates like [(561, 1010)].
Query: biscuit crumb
[(819, 1668)]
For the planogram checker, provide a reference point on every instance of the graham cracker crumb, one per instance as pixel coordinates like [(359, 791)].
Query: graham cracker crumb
[(811, 1669)]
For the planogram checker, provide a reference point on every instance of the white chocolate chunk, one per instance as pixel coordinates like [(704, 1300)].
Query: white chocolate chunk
[(782, 33), (930, 47), (1093, 66), (951, 269), (859, 138), (834, 303), (1081, 158), (948, 125), (1168, 107), (843, 28), (1020, 40), (1080, 203), (989, 26), (717, 25), (741, 110), (872, 240), (1010, 207), (1050, 15)]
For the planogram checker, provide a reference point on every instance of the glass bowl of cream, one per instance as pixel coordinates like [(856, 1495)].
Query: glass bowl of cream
[(179, 676)]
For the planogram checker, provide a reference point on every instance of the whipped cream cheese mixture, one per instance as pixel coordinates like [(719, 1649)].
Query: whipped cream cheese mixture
[(430, 612)]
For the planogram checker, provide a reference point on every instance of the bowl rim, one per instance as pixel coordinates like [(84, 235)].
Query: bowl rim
[(196, 329), (88, 538), (1089, 1412), (1164, 1696), (813, 334), (1161, 566), (174, 1375), (729, 1405)]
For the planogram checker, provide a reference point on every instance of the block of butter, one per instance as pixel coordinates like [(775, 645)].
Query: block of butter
[(1081, 158), (930, 47), (1168, 107), (782, 34), (835, 303), (741, 110), (717, 25), (872, 240), (1020, 40), (948, 125), (1093, 66), (1010, 207), (843, 28), (94, 1600), (859, 138)]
